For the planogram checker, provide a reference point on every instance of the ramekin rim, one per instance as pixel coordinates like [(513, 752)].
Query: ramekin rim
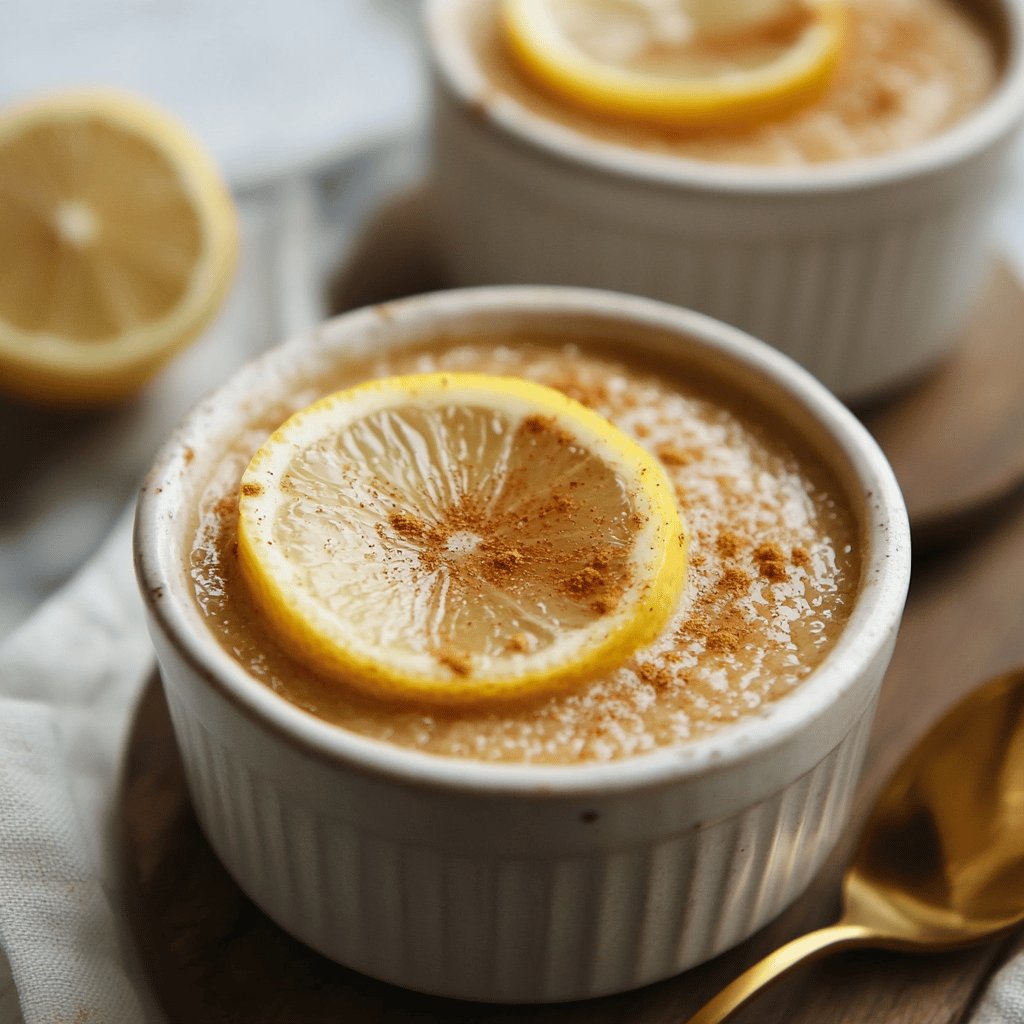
[(992, 120), (874, 617)]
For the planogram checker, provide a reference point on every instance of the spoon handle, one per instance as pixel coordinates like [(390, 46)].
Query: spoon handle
[(765, 972)]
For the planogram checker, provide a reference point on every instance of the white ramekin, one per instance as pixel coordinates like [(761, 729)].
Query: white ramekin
[(520, 883), (864, 272)]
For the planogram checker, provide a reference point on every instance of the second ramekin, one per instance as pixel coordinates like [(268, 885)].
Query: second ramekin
[(864, 272), (503, 882)]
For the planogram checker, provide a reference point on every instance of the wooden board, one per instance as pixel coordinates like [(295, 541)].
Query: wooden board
[(955, 439), (212, 957)]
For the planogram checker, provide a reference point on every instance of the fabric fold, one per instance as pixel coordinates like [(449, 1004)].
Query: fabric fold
[(69, 680)]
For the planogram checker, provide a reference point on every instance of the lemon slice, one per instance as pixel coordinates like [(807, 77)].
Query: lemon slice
[(117, 243), (458, 537), (701, 63)]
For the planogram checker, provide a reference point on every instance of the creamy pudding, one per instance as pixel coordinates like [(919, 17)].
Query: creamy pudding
[(909, 70), (772, 576)]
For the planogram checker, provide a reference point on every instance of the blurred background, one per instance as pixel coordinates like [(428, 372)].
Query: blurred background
[(312, 108)]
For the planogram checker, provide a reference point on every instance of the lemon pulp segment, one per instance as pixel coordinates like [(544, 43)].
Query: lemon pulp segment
[(608, 57), (117, 243), (458, 537)]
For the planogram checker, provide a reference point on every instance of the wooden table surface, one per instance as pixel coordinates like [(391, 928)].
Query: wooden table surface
[(212, 957)]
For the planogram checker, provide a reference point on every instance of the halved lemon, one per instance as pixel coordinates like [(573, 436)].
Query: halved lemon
[(118, 240), (458, 537), (683, 65)]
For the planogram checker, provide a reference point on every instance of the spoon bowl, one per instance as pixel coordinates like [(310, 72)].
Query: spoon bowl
[(940, 863), (941, 859)]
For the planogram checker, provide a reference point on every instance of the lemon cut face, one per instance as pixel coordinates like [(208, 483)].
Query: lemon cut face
[(117, 243), (458, 537), (685, 64)]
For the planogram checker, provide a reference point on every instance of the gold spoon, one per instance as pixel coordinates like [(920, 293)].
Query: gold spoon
[(940, 863)]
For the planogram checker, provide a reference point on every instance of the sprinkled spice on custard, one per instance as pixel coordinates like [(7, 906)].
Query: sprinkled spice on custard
[(772, 572), (909, 70)]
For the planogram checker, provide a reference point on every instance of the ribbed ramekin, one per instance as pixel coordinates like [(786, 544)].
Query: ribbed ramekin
[(864, 272), (503, 882)]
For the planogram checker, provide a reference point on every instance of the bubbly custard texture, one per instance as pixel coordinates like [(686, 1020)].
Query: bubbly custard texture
[(772, 577), (910, 70)]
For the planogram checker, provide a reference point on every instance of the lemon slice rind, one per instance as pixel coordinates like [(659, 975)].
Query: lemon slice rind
[(322, 640), (749, 96)]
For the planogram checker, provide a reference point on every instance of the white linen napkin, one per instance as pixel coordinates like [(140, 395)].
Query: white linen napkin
[(1003, 1001), (70, 678)]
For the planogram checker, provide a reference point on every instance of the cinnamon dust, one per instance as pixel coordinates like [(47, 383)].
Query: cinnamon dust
[(591, 395), (585, 582), (717, 620), (672, 455), (408, 526), (563, 503), (519, 642), (729, 544), (507, 561), (538, 424), (801, 557), (655, 675), (771, 562), (599, 581), (459, 663), (594, 575)]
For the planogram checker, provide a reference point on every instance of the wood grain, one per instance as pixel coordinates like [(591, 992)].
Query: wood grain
[(955, 438), (214, 958)]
